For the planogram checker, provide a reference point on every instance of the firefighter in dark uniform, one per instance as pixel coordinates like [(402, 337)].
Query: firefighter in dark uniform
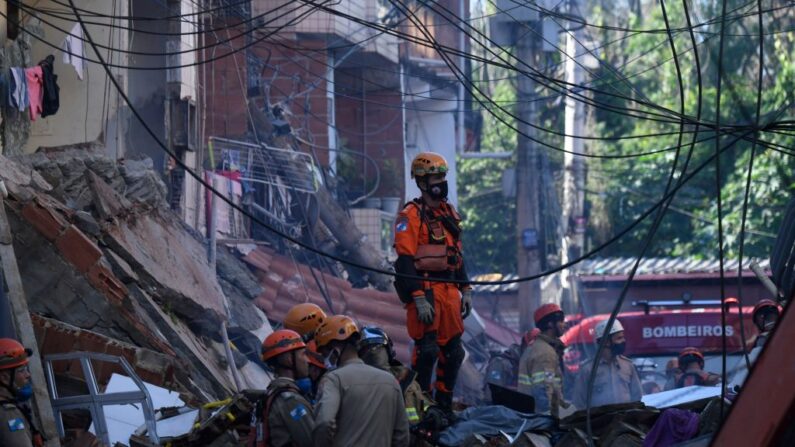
[(16, 423), (287, 416), (428, 244)]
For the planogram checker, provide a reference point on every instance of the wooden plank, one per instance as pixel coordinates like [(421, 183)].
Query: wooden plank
[(21, 318)]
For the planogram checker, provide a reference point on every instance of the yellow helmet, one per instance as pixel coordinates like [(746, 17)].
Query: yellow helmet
[(304, 318), (336, 327), (427, 163)]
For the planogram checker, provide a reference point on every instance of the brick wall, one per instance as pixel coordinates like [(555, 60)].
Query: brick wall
[(295, 68)]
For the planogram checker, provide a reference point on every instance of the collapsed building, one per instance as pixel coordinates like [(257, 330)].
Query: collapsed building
[(107, 268)]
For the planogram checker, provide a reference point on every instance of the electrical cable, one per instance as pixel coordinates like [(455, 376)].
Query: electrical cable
[(167, 53), (647, 242), (452, 67), (287, 237), (748, 187), (182, 65), (581, 21), (444, 49), (132, 17), (213, 190), (719, 205), (461, 78), (171, 67)]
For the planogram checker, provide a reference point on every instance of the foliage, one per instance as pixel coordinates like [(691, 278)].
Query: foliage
[(621, 190), (489, 235)]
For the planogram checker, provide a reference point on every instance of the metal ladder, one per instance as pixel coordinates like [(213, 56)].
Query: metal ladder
[(95, 401)]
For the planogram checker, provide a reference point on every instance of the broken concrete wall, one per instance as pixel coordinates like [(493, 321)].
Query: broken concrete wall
[(125, 269), (66, 171)]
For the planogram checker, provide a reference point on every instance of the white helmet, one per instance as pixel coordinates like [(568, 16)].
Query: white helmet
[(602, 325)]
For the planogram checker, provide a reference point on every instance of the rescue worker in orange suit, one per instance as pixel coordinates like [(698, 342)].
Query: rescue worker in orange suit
[(428, 245), (691, 362), (765, 316), (617, 380), (16, 422), (358, 405), (287, 415), (541, 365), (304, 318)]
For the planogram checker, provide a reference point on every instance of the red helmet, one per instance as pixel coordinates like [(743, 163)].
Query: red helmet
[(545, 311), (279, 342), (765, 305), (731, 301), (13, 354)]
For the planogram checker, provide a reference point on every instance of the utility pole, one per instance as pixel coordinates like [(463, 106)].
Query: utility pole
[(528, 221), (573, 219)]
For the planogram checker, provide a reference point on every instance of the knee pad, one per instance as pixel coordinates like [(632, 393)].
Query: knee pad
[(427, 348), (454, 351)]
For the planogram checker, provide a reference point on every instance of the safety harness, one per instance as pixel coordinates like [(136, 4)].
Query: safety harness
[(259, 433)]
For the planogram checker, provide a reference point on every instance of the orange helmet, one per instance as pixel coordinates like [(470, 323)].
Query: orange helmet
[(427, 163), (545, 311), (304, 318), (313, 356), (336, 327), (13, 354), (690, 351), (279, 342)]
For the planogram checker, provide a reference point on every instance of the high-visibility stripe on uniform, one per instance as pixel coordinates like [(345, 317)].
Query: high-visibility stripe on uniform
[(411, 414), (539, 378)]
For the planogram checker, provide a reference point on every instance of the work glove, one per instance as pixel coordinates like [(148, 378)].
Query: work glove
[(424, 310), (466, 303)]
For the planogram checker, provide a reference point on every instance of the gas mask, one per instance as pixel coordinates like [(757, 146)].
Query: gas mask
[(618, 348), (332, 359), (438, 191), (305, 385), (24, 393)]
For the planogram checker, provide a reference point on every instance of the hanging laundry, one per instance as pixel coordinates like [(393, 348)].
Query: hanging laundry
[(73, 49), (19, 89), (33, 76), (51, 98)]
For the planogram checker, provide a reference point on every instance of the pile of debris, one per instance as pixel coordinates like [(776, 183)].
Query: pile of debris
[(107, 267)]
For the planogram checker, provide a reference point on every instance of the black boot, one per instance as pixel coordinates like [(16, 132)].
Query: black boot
[(444, 400)]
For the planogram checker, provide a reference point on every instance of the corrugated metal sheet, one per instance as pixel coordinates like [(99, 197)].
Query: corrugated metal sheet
[(622, 266)]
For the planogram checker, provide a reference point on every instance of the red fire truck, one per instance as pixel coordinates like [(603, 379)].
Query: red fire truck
[(662, 330)]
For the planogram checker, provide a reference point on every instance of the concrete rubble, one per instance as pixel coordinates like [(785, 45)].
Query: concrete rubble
[(107, 266)]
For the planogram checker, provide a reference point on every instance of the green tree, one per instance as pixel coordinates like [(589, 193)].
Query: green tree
[(621, 190), (489, 217)]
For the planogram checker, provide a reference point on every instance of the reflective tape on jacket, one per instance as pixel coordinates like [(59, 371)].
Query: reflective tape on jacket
[(411, 414), (538, 378)]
